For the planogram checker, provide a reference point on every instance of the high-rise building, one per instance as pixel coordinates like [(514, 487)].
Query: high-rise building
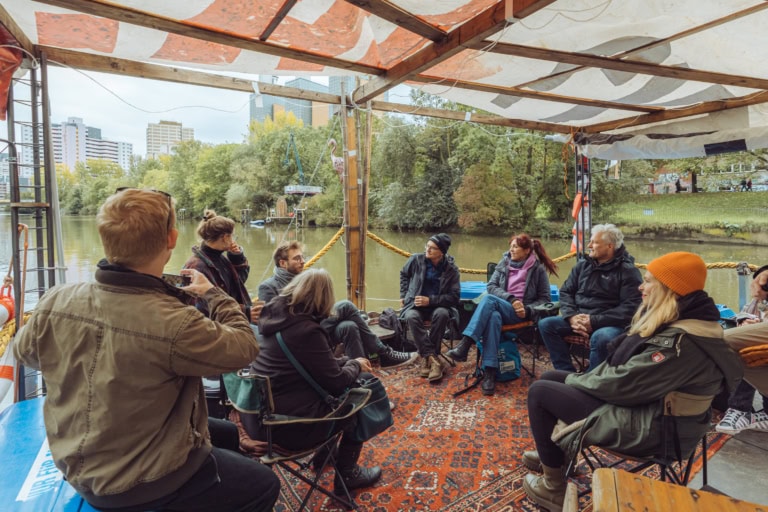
[(310, 112), (75, 142), (164, 136)]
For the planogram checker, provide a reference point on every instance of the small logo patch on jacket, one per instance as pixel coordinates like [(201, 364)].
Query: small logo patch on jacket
[(657, 357)]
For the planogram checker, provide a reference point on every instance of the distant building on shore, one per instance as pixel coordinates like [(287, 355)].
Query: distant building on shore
[(164, 136), (312, 113), (74, 142)]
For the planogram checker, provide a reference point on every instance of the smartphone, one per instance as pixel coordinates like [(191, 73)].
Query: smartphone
[(177, 280)]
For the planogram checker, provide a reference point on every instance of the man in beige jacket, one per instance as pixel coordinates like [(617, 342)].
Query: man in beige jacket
[(123, 359)]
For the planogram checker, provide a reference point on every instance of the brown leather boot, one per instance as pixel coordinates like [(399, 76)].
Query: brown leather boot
[(547, 490), (424, 367), (532, 461), (435, 369)]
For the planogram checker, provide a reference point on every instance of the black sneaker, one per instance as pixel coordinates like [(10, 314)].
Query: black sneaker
[(392, 358)]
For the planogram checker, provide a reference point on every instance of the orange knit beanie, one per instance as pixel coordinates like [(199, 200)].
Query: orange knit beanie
[(682, 272)]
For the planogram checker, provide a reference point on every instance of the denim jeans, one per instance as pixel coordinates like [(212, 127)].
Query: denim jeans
[(485, 326), (554, 328)]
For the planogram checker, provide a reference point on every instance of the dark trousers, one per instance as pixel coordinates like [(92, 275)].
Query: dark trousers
[(427, 341), (743, 397), (549, 400), (226, 482)]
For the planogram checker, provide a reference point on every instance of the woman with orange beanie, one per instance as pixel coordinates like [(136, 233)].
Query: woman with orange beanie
[(672, 358)]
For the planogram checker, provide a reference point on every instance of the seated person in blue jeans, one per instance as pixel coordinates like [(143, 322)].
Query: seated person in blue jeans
[(597, 300), (518, 284)]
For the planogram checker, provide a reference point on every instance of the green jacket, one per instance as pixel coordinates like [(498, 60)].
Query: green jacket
[(689, 356), (122, 358)]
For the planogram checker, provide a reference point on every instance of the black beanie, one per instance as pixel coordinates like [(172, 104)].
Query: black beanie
[(442, 241)]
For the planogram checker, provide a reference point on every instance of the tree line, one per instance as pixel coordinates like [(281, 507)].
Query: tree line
[(428, 174)]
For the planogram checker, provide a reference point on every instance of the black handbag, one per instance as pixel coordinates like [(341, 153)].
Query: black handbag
[(376, 416), (373, 419)]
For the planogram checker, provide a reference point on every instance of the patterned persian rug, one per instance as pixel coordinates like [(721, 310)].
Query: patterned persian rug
[(450, 454)]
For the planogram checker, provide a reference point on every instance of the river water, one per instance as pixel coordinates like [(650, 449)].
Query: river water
[(82, 249)]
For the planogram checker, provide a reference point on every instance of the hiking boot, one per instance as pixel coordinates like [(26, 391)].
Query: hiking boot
[(489, 381), (734, 422), (460, 353), (758, 422), (424, 367), (547, 490), (356, 478), (435, 369), (532, 461), (391, 358)]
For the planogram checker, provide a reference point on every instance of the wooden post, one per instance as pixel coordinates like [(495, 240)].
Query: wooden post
[(354, 233)]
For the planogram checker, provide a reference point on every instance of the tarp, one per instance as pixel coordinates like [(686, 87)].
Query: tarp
[(592, 66)]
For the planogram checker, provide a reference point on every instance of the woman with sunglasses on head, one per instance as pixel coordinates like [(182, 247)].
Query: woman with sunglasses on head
[(222, 261), (518, 285)]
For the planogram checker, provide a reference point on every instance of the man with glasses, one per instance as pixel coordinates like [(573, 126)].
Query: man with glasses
[(430, 289), (345, 325), (123, 358)]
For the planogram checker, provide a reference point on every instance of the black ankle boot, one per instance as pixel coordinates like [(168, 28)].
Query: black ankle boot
[(357, 478), (489, 381), (462, 350)]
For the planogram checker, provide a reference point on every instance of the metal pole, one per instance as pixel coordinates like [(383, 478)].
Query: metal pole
[(742, 269)]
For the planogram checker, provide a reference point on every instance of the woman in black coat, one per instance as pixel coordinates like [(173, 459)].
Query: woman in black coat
[(296, 313)]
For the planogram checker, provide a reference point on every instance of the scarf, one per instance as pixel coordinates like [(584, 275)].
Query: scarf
[(518, 271)]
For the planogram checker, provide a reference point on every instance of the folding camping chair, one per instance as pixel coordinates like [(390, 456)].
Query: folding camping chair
[(252, 394)]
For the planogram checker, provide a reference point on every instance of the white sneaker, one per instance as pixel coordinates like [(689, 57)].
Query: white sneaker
[(734, 422), (758, 421)]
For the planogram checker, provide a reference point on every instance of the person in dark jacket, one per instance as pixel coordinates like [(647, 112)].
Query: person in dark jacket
[(518, 285), (430, 288), (597, 300), (221, 260), (345, 324), (656, 385), (296, 313)]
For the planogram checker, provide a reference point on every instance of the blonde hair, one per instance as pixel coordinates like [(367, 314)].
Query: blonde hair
[(661, 308), (213, 226), (310, 292), (133, 225)]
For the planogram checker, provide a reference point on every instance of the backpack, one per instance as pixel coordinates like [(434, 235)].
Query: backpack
[(509, 358), (389, 319)]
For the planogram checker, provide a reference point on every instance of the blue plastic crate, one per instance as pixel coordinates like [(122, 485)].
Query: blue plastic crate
[(471, 289), (725, 312)]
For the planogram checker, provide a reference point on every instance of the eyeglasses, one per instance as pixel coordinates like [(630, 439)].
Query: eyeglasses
[(298, 258), (166, 194), (431, 247)]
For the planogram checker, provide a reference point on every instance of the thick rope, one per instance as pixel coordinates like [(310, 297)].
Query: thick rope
[(325, 249)]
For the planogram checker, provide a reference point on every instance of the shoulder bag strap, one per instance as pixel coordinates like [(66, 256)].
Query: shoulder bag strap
[(329, 399)]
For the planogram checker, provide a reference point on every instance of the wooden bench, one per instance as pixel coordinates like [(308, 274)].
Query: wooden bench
[(614, 490)]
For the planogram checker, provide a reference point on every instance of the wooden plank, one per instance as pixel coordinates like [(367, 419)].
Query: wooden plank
[(625, 65), (537, 95), (477, 29), (604, 494), (277, 19), (394, 14), (105, 64), (679, 113), (13, 28), (204, 33)]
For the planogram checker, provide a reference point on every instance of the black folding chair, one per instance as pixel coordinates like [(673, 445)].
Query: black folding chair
[(252, 394)]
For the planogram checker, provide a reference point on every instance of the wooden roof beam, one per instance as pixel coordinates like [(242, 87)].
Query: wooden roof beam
[(629, 66), (204, 33), (13, 28), (398, 16), (277, 19), (476, 30), (679, 113), (537, 95)]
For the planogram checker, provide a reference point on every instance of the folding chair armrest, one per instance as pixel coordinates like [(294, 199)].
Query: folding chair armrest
[(517, 326), (353, 401)]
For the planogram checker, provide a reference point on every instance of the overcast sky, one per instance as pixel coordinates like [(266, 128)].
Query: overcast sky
[(123, 106)]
